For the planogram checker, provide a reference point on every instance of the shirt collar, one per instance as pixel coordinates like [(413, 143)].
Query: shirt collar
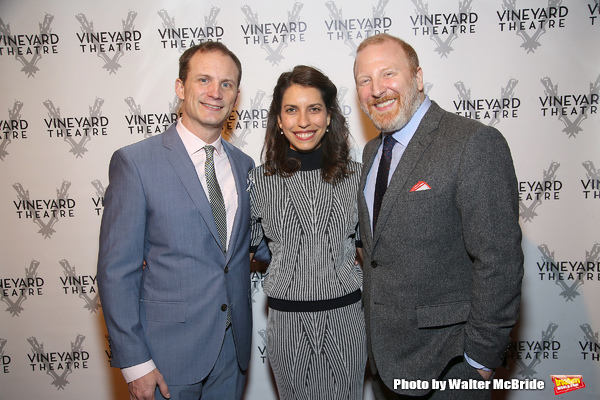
[(193, 143), (404, 135)]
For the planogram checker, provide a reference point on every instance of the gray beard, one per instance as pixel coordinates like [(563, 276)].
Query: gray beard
[(403, 116), (409, 108)]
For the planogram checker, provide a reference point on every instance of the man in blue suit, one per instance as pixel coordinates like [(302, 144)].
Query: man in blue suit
[(180, 325)]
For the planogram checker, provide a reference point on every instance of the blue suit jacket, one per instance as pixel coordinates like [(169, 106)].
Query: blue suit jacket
[(155, 209)]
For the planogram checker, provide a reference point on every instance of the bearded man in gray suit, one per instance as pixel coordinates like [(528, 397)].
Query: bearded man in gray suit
[(438, 206)]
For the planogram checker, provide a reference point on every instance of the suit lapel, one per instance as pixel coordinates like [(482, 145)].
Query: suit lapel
[(411, 156), (241, 177), (183, 166), (369, 153)]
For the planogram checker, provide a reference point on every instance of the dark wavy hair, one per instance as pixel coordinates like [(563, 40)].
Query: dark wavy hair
[(335, 143)]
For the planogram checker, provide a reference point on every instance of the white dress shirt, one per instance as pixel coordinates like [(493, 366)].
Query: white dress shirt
[(195, 148), (402, 136)]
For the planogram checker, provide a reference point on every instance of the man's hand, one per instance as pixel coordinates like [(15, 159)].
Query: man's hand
[(487, 375), (358, 260), (144, 387)]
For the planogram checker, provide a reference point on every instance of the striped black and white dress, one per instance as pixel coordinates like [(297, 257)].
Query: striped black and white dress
[(311, 227)]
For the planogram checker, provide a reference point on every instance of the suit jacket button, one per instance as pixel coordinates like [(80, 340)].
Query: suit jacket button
[(226, 269), (224, 307), (373, 264)]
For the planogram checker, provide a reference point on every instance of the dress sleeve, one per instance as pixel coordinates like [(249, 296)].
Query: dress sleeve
[(357, 240), (256, 232)]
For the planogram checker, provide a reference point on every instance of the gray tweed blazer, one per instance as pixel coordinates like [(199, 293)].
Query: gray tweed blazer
[(443, 269)]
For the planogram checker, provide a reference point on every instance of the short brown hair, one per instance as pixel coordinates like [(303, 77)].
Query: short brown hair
[(206, 47)]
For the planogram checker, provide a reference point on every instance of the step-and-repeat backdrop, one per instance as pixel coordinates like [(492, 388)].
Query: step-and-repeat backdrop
[(80, 79)]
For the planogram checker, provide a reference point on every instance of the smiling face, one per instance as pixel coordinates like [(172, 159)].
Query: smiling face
[(209, 93), (303, 118), (388, 90)]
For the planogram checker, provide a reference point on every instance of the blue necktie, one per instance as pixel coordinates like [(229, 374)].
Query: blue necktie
[(382, 176)]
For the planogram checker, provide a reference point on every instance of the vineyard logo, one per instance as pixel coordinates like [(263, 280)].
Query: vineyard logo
[(33, 46), (274, 37), (45, 212), (104, 42), (14, 291)]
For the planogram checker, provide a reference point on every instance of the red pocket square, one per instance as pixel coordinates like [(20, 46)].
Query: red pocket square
[(421, 185)]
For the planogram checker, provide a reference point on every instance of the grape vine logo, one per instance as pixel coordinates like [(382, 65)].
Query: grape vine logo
[(14, 291), (490, 109), (594, 9), (569, 275), (149, 124), (572, 108), (45, 212), (350, 30), (104, 42), (257, 280), (263, 348), (58, 364), (77, 131), (14, 128), (99, 199), (538, 191), (443, 28), (84, 286), (34, 46), (4, 358), (590, 347), (427, 86), (109, 354), (341, 98), (531, 23), (274, 37), (181, 38), (530, 353), (591, 185), (246, 120)]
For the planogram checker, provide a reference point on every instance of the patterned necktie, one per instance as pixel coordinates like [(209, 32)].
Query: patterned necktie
[(382, 176), (217, 205)]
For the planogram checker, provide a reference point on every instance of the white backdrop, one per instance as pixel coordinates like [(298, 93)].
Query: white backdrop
[(82, 78)]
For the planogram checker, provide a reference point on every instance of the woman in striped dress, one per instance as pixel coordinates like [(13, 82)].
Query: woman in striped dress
[(303, 201)]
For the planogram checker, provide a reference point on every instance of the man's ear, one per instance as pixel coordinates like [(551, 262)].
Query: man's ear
[(419, 77), (179, 89)]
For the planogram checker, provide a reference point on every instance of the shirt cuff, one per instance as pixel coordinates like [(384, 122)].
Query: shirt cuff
[(475, 364), (137, 371)]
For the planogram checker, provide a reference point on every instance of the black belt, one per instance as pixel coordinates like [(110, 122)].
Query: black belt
[(311, 306)]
